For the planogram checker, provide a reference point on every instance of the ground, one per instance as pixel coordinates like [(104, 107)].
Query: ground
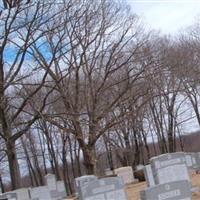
[(134, 189)]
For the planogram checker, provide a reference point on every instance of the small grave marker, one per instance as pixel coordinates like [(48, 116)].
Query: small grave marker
[(126, 173)]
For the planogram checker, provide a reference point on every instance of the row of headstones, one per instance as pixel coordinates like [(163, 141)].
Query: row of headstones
[(110, 188), (168, 176), (53, 190)]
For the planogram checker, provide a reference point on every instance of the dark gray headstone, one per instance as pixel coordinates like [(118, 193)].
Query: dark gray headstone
[(178, 190), (104, 189)]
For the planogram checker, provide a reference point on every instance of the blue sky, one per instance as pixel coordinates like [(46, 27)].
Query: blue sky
[(168, 16)]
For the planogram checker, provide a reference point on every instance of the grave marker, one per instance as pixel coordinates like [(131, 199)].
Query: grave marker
[(104, 189), (83, 180), (61, 189), (51, 182), (126, 173), (178, 190), (191, 160), (149, 176), (40, 193), (172, 173), (168, 159)]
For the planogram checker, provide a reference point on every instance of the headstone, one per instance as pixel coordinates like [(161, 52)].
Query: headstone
[(140, 167), (191, 160), (23, 193), (3, 197), (40, 193), (172, 173), (178, 190), (61, 189), (166, 160), (149, 176), (109, 172), (51, 182), (197, 156), (83, 180), (126, 173), (19, 194), (11, 196), (111, 188)]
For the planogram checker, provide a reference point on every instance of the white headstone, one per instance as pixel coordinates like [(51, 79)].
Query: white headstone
[(126, 173)]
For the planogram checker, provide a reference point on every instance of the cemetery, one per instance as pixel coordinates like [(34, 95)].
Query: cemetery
[(96, 104), (170, 176)]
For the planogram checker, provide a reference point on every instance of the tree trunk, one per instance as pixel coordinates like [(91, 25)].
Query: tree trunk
[(77, 155), (13, 165), (65, 168), (170, 132), (1, 185), (89, 159)]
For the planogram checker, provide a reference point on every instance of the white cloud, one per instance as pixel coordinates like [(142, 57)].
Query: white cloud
[(168, 16)]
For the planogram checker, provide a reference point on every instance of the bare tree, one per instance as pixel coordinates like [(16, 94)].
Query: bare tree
[(21, 26)]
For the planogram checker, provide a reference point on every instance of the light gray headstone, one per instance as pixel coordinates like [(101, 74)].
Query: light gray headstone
[(104, 189), (83, 180), (61, 189), (149, 176), (191, 160), (23, 193), (197, 156), (108, 172), (172, 173), (40, 193), (139, 167), (19, 194), (51, 181), (166, 160), (178, 190), (11, 196)]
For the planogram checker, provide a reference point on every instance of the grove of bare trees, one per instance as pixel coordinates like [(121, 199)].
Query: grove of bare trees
[(85, 87)]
